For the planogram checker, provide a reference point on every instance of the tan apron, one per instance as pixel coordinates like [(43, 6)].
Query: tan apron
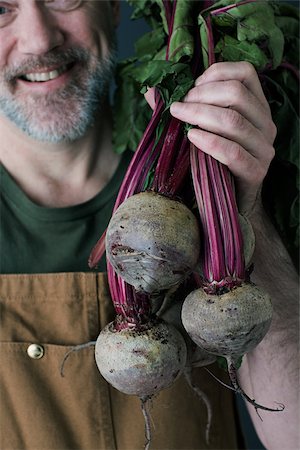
[(41, 410)]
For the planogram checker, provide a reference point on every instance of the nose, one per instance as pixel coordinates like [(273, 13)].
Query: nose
[(38, 32)]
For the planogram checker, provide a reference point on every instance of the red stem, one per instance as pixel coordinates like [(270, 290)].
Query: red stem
[(180, 169), (170, 14), (214, 264), (223, 212), (167, 154), (211, 48), (145, 147), (292, 68), (224, 9), (133, 308), (223, 260), (97, 252), (238, 264)]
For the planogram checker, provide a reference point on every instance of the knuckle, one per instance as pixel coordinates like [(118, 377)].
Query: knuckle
[(267, 152), (270, 154), (236, 91), (192, 95), (234, 120), (272, 130), (214, 67), (248, 69), (214, 70), (237, 153)]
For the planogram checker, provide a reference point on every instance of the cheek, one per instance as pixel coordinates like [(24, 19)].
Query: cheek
[(102, 25), (6, 49), (92, 30)]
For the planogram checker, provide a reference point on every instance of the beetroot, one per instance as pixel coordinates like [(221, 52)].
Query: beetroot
[(229, 324), (141, 362), (153, 242)]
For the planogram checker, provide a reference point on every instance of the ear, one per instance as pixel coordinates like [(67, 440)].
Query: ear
[(115, 6)]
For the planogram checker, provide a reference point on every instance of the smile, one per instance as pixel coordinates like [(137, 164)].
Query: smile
[(45, 76)]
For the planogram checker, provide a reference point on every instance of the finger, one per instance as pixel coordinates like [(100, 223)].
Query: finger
[(241, 163), (150, 97), (249, 172), (241, 71), (233, 94), (226, 123)]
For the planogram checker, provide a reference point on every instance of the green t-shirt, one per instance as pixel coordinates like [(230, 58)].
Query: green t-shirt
[(36, 239)]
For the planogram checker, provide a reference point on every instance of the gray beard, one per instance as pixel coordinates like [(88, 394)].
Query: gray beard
[(67, 114)]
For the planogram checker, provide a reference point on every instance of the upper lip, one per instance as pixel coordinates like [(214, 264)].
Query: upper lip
[(43, 69)]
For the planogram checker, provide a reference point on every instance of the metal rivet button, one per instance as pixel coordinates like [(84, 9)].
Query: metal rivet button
[(35, 351)]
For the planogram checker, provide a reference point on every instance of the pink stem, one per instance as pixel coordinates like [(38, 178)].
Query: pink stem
[(97, 252), (237, 238), (224, 9)]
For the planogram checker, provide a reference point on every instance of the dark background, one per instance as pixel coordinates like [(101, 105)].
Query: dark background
[(129, 31)]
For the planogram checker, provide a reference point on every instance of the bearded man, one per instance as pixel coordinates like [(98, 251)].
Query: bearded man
[(59, 179)]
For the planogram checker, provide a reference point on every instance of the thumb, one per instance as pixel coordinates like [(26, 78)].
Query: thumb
[(150, 97)]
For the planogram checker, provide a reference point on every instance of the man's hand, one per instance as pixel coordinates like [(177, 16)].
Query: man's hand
[(234, 124)]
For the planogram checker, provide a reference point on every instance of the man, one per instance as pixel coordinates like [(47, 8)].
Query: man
[(59, 180)]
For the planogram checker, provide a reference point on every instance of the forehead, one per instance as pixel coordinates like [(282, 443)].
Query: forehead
[(63, 5), (103, 12)]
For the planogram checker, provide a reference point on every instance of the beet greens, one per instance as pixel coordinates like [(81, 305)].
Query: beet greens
[(186, 37)]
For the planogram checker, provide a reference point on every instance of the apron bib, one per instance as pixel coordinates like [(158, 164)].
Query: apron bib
[(42, 318)]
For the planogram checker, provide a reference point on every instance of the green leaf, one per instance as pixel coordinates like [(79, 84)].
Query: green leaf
[(244, 10), (152, 11), (288, 25), (276, 46), (218, 4), (148, 45), (290, 29), (224, 20), (161, 55), (204, 40), (260, 26), (284, 9), (172, 79), (181, 40), (131, 111), (233, 50), (153, 72)]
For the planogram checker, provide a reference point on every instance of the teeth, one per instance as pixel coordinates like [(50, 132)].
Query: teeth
[(45, 76)]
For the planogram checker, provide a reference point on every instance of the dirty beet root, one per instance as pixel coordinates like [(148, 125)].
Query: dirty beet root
[(229, 325), (141, 361), (152, 242)]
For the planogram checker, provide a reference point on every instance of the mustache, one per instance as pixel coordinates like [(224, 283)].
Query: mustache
[(55, 58)]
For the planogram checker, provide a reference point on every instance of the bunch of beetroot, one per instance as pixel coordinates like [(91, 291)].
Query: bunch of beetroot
[(176, 220)]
